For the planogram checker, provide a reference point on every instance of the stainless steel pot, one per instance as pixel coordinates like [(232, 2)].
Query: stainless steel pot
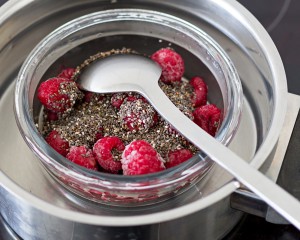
[(36, 207)]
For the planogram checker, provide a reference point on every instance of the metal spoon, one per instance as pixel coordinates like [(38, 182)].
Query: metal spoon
[(128, 72)]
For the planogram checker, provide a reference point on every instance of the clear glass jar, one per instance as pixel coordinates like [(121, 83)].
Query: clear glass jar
[(144, 31)]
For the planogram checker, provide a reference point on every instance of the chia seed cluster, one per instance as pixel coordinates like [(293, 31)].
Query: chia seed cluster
[(122, 132), (87, 120)]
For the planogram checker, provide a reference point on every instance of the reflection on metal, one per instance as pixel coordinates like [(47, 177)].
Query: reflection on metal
[(6, 233), (280, 16)]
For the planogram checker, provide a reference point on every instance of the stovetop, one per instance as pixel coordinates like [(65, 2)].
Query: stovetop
[(281, 19)]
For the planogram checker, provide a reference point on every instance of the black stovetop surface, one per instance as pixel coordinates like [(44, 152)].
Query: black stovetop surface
[(281, 18)]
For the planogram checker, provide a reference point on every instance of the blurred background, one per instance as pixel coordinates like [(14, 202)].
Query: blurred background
[(281, 19)]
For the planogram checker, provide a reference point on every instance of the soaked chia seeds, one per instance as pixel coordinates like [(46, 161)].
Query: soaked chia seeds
[(88, 121)]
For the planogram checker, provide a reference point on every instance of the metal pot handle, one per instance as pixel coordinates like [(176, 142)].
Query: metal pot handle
[(284, 169)]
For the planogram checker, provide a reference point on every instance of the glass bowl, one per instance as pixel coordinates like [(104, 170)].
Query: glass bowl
[(145, 31)]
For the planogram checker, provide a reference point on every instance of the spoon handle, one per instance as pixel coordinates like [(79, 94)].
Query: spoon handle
[(276, 197)]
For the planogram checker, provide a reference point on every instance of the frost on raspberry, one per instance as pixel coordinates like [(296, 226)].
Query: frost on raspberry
[(107, 151), (137, 115), (59, 144), (83, 157), (171, 63), (177, 157), (67, 73), (199, 97), (208, 118), (58, 94), (139, 157)]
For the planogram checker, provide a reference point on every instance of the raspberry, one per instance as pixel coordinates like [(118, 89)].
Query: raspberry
[(171, 130), (132, 97), (208, 118), (104, 149), (58, 143), (90, 96), (58, 94), (139, 157), (117, 99), (51, 116), (199, 96), (178, 156), (137, 115), (83, 157), (171, 63), (99, 134), (67, 73)]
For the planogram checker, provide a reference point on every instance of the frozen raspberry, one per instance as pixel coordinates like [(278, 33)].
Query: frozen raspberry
[(90, 96), (199, 96), (178, 156), (99, 134), (137, 115), (117, 99), (208, 118), (51, 116), (139, 157), (132, 97), (58, 94), (83, 157), (104, 149), (58, 143), (67, 73), (171, 130), (171, 63)]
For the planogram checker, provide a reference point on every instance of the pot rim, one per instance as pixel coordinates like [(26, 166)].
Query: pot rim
[(280, 105)]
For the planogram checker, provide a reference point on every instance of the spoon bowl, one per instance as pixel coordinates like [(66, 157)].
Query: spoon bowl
[(139, 72)]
